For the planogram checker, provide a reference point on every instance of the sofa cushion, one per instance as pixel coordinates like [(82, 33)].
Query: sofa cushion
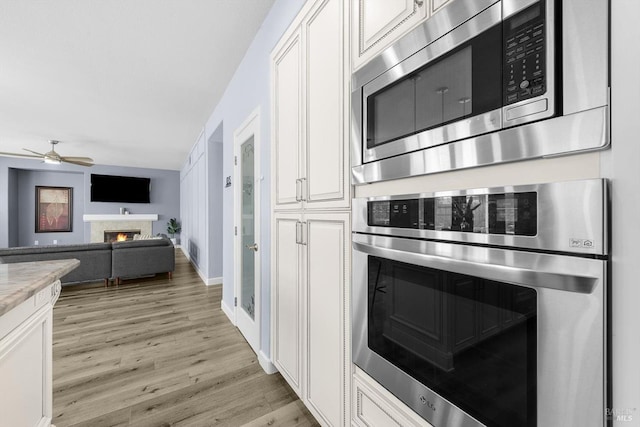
[(142, 257), (95, 259), (128, 244)]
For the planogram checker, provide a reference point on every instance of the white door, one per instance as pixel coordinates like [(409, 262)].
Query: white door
[(247, 220)]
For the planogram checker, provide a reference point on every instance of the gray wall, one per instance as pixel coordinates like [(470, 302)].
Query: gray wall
[(25, 220), (18, 178), (12, 205)]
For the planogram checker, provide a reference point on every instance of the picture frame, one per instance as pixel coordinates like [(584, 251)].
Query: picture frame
[(54, 209)]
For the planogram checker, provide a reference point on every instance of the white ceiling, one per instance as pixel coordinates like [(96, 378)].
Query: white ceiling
[(126, 82)]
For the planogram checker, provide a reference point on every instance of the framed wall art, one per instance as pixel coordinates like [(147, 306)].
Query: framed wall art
[(54, 209)]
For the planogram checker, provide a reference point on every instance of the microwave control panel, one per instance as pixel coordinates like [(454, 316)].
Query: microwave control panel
[(524, 55)]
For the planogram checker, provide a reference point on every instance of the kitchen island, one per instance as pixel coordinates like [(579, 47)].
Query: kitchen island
[(28, 292)]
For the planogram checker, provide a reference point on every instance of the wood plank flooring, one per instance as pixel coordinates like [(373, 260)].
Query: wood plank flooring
[(160, 352)]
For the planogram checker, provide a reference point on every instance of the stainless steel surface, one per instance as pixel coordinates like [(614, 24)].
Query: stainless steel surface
[(585, 54), (488, 263), (570, 328), (567, 212), (510, 7), (583, 126), (253, 247), (584, 131), (461, 129), (526, 109)]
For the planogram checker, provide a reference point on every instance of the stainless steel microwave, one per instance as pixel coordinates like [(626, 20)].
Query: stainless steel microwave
[(483, 82)]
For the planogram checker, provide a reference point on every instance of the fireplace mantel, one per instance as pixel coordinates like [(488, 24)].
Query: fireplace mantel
[(106, 222), (118, 217)]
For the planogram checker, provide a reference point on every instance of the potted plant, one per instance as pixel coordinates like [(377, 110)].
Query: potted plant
[(173, 228)]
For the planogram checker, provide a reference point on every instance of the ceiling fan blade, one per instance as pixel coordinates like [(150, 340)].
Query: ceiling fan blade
[(77, 159), (20, 155), (34, 152), (76, 162)]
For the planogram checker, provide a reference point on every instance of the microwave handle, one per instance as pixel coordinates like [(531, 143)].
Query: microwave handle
[(526, 277)]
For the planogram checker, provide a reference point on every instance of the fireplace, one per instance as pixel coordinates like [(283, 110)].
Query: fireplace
[(119, 235)]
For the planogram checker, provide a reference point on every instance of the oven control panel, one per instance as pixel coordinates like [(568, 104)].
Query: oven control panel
[(506, 213)]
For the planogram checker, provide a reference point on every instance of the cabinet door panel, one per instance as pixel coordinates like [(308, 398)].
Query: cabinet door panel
[(286, 301), (325, 153), (327, 258), (379, 22), (287, 118)]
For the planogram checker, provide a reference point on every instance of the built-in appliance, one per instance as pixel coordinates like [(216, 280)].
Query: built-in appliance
[(483, 82), (486, 307)]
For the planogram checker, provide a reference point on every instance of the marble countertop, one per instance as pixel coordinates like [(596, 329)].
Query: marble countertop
[(22, 280)]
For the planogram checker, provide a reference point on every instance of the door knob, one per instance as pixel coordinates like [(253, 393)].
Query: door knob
[(253, 247)]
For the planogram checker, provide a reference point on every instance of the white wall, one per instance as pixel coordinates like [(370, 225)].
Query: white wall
[(248, 90), (624, 170)]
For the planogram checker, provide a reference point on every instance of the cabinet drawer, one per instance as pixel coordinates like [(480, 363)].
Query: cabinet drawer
[(373, 406)]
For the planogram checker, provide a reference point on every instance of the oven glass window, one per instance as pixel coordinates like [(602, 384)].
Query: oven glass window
[(471, 340), (464, 83)]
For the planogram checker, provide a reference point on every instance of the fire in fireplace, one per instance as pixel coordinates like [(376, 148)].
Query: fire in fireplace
[(111, 236)]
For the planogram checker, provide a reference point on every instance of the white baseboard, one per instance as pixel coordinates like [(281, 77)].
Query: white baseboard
[(266, 364), (229, 311), (213, 281)]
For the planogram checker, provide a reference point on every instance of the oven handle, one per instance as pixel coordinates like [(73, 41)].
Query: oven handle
[(517, 275)]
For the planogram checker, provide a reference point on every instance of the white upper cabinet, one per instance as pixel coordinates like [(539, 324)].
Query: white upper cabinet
[(327, 170), (310, 107), (286, 71), (377, 23)]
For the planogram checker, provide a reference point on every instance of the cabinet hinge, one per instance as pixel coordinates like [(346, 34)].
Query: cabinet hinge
[(235, 301), (235, 232), (235, 160)]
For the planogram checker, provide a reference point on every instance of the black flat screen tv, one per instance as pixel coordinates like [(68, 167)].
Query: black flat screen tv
[(123, 189)]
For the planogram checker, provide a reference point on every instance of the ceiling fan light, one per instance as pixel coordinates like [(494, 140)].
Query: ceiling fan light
[(52, 161)]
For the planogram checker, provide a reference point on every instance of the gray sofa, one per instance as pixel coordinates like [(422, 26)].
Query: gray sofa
[(102, 261), (95, 259), (142, 257)]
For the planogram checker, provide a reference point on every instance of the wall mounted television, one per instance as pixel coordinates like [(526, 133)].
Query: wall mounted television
[(123, 189)]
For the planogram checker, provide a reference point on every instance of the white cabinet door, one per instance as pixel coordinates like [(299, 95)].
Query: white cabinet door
[(26, 365), (374, 406), (436, 5), (286, 298), (377, 23), (287, 123), (327, 174), (327, 238)]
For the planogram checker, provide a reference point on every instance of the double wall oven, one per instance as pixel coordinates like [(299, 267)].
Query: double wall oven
[(486, 307)]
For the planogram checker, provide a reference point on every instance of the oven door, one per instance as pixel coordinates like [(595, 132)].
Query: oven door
[(469, 336)]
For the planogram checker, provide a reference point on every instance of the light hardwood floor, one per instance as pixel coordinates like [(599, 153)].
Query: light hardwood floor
[(160, 352)]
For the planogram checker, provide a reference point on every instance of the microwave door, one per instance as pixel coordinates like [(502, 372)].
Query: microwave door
[(449, 90)]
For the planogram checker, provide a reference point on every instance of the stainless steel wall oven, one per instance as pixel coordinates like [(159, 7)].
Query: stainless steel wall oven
[(486, 307), (482, 82)]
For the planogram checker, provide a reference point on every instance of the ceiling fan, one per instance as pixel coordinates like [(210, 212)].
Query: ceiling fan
[(52, 157)]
